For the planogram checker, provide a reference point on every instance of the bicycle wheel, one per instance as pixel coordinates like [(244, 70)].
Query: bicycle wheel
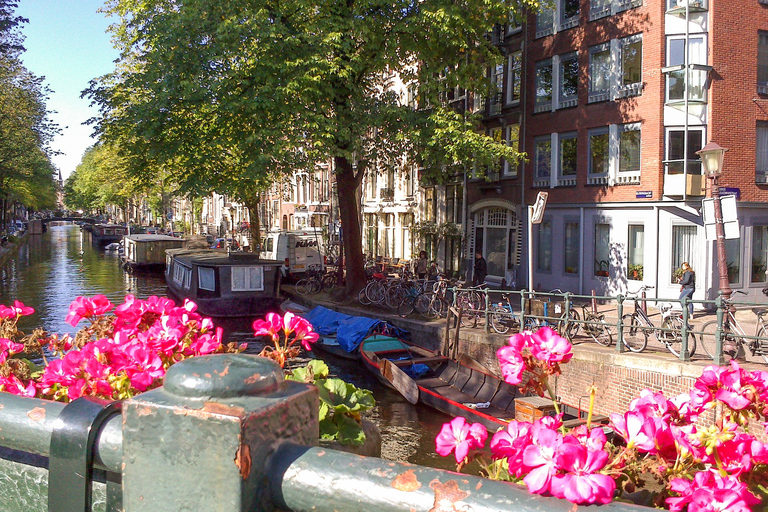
[(314, 285), (362, 297), (406, 307), (500, 320), (329, 282), (707, 338), (762, 345), (394, 296), (674, 339), (302, 286), (375, 292), (437, 306), (600, 332), (635, 337), (532, 324), (572, 329)]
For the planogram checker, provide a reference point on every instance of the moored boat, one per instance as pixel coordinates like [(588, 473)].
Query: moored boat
[(441, 383), (147, 252), (224, 285), (105, 234)]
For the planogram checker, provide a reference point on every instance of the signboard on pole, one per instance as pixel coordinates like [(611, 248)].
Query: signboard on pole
[(538, 207), (730, 217)]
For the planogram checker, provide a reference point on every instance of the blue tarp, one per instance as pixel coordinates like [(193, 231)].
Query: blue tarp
[(349, 330)]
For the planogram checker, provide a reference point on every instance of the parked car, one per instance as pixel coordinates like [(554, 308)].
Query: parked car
[(219, 243)]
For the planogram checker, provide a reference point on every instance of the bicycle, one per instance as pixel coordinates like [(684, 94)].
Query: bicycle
[(472, 303), (310, 284), (503, 316), (596, 327), (735, 335), (637, 325), (568, 322)]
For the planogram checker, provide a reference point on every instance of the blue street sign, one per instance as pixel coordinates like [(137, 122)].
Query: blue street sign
[(644, 194), (727, 191)]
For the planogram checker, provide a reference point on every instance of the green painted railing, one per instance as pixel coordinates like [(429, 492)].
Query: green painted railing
[(226, 433)]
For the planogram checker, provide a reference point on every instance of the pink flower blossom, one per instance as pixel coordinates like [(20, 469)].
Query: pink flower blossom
[(550, 347), (637, 430), (84, 307), (271, 326), (711, 492), (733, 392), (510, 444), (459, 437), (541, 458), (581, 482), (512, 364)]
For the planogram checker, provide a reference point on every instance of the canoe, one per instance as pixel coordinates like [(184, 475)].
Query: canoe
[(443, 384)]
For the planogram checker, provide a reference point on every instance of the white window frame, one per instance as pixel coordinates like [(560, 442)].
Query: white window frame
[(634, 88), (250, 272), (515, 67), (601, 178), (691, 150), (564, 101), (563, 180), (510, 171), (540, 180), (699, 57), (629, 176), (206, 278), (602, 94), (544, 106)]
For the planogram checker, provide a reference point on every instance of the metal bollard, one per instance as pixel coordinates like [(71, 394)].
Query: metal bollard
[(201, 441)]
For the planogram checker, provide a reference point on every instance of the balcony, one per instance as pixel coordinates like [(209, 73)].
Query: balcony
[(678, 185)]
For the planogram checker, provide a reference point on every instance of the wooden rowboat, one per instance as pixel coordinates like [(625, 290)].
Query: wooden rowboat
[(439, 382)]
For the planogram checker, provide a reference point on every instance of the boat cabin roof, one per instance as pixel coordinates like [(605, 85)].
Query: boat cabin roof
[(153, 238), (219, 257)]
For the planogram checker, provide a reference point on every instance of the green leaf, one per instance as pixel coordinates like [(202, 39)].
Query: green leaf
[(349, 430), (315, 369), (344, 397)]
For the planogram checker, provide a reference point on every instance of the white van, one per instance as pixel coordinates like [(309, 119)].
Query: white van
[(297, 249)]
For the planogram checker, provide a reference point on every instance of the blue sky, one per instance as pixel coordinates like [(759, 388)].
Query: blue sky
[(67, 43)]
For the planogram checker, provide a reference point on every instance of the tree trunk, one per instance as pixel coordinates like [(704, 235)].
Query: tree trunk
[(347, 183), (255, 222)]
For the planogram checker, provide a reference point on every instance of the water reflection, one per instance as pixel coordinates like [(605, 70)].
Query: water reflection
[(53, 269)]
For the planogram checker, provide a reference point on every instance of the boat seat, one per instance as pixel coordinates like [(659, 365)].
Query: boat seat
[(488, 391), (462, 376), (421, 360), (432, 383)]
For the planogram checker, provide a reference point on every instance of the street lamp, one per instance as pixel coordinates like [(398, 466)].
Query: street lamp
[(712, 159)]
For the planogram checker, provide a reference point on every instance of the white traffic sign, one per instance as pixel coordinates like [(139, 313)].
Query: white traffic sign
[(730, 217), (538, 207)]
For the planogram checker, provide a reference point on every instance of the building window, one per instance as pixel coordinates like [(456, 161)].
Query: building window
[(635, 253), (406, 221), (733, 259), (599, 157), (683, 248), (631, 65), (600, 73), (569, 14), (568, 144), (543, 86), (697, 4), (545, 246), (497, 77), (676, 150), (569, 80), (697, 78), (602, 250), (453, 203), (545, 22), (515, 77), (759, 253), (430, 215), (389, 235), (247, 279), (513, 141), (599, 9), (762, 62), (761, 169), (629, 148), (494, 229), (572, 247), (542, 159), (372, 226)]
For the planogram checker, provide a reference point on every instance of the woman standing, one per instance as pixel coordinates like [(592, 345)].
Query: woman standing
[(687, 285), (421, 265)]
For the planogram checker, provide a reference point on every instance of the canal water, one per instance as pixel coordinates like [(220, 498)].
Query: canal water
[(52, 270)]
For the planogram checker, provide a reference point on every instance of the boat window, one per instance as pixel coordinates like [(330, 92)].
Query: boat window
[(245, 279), (206, 279), (182, 275)]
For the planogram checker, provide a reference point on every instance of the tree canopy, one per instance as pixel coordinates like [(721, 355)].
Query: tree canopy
[(231, 91)]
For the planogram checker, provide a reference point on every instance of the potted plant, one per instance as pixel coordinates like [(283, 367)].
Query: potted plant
[(602, 268), (636, 272)]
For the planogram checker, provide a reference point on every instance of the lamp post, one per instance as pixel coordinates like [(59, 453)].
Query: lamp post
[(712, 159)]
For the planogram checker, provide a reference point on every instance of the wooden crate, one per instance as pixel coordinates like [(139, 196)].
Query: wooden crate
[(544, 308), (531, 408)]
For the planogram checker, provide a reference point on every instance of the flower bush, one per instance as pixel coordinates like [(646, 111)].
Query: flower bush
[(115, 356), (286, 333), (658, 445)]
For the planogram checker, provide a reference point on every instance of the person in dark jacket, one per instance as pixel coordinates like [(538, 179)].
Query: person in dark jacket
[(480, 269), (687, 285)]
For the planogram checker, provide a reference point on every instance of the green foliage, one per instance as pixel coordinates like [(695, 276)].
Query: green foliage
[(341, 403)]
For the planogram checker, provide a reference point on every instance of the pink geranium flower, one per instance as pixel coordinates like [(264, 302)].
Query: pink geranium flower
[(459, 437), (271, 326), (84, 307), (582, 482), (637, 430), (541, 458), (550, 347), (711, 492), (512, 364), (510, 444), (733, 392)]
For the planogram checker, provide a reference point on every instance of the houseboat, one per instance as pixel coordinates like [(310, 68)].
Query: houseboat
[(105, 234), (222, 284), (147, 252)]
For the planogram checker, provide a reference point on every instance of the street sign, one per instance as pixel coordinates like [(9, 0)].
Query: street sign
[(724, 191), (730, 217), (538, 207), (644, 194)]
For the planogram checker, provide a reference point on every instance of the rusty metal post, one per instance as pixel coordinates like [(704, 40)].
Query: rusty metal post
[(201, 441)]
